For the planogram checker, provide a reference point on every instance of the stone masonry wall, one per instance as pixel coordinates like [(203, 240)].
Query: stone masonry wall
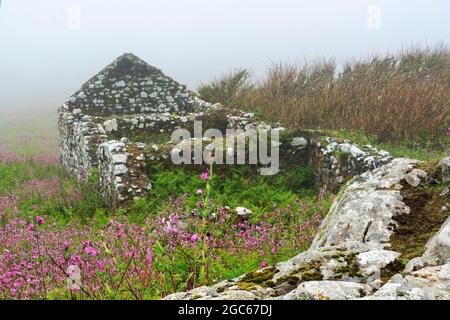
[(336, 162), (79, 140), (127, 96), (122, 163), (130, 85)]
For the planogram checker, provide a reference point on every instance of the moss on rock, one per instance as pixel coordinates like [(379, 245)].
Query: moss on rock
[(412, 231)]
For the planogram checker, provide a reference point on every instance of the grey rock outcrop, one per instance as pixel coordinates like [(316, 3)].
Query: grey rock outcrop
[(326, 290), (437, 250), (351, 255), (445, 167), (429, 283), (365, 209)]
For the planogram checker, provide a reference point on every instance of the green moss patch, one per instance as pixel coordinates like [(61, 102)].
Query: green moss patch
[(259, 277), (251, 279), (350, 269), (413, 230)]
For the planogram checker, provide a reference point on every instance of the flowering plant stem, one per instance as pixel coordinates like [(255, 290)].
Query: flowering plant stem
[(206, 210)]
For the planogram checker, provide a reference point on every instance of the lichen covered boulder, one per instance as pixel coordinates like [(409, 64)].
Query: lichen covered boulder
[(365, 209), (429, 283), (326, 290), (437, 250)]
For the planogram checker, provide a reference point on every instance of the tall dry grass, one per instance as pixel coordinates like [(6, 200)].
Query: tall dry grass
[(401, 96)]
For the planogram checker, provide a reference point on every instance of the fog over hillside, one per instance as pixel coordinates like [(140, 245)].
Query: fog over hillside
[(49, 48)]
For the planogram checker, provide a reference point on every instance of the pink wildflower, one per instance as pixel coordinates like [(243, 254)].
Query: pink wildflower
[(91, 251), (263, 265), (204, 175), (40, 220), (199, 191), (30, 227), (169, 229), (66, 245), (194, 237)]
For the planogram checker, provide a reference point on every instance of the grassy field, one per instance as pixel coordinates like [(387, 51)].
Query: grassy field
[(183, 236)]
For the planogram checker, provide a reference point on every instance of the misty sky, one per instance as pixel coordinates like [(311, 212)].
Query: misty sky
[(48, 48)]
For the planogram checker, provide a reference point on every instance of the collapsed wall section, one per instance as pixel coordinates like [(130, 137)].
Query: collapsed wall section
[(112, 145), (124, 164), (334, 161)]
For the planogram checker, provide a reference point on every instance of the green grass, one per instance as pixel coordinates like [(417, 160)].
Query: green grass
[(30, 137), (422, 150), (239, 187), (14, 174)]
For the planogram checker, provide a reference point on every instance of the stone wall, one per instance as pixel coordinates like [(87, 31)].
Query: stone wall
[(123, 163), (336, 162), (120, 174), (79, 139), (129, 86), (128, 97)]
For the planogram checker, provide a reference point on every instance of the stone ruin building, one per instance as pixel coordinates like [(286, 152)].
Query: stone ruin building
[(120, 122)]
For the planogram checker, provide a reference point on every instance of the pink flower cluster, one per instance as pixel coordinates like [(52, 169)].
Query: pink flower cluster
[(128, 260), (204, 175), (47, 156), (36, 191)]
